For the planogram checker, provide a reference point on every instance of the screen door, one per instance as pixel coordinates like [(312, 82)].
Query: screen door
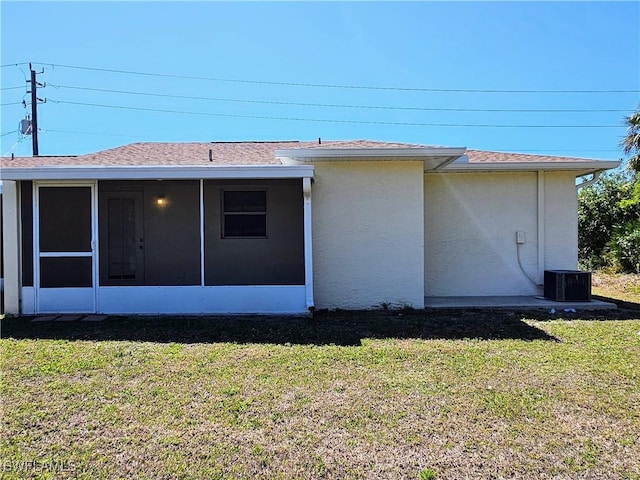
[(64, 248)]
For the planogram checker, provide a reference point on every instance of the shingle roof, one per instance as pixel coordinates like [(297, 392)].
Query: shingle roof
[(483, 156), (363, 144), (238, 153), (156, 153)]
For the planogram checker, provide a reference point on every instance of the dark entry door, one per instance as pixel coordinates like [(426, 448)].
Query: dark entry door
[(121, 238)]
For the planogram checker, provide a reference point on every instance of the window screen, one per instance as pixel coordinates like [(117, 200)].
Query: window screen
[(61, 272), (65, 219), (244, 214)]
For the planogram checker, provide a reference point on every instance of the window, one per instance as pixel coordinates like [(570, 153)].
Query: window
[(244, 214)]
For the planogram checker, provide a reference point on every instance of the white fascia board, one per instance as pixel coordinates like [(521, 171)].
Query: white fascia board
[(162, 172), (581, 166), (317, 154)]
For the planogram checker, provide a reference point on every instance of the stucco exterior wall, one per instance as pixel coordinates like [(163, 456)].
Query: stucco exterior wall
[(561, 221), (471, 221), (368, 234)]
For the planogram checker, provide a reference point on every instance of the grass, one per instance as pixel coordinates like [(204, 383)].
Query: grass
[(621, 288), (423, 394)]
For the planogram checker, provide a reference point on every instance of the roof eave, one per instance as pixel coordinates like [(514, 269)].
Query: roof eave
[(329, 154), (156, 172), (581, 167)]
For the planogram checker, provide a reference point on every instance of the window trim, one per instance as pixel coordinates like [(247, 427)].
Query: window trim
[(265, 213)]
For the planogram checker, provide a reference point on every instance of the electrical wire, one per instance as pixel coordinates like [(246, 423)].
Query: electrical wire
[(13, 64), (329, 105), (323, 120), (8, 133), (10, 103), (13, 88), (14, 146), (88, 133), (523, 270), (325, 85)]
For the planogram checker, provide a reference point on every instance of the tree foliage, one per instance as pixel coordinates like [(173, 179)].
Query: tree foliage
[(623, 250), (604, 210), (609, 212), (631, 142)]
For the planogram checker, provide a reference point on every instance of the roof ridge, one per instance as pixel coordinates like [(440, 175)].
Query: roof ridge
[(254, 141)]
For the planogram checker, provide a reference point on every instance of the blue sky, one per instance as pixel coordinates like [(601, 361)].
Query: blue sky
[(427, 46)]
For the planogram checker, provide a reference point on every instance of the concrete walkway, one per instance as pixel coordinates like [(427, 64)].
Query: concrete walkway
[(516, 303)]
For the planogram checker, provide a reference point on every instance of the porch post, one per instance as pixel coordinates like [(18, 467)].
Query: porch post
[(308, 243), (11, 250)]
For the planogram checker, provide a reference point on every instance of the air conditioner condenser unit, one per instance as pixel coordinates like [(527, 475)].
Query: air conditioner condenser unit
[(567, 285)]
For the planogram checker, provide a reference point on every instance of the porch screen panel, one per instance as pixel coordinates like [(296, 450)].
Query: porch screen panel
[(253, 232), (64, 272), (65, 219), (146, 243), (65, 233), (26, 223)]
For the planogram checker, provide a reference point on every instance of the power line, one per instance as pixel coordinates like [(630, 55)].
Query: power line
[(8, 133), (363, 122), (325, 85), (330, 105), (10, 103), (14, 64), (12, 88), (89, 133)]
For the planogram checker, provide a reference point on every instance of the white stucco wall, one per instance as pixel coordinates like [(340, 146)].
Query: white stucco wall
[(561, 221), (368, 234), (471, 221)]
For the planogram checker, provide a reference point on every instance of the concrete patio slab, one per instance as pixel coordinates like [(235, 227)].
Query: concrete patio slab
[(514, 302)]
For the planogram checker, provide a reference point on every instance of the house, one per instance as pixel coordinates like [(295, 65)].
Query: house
[(282, 227)]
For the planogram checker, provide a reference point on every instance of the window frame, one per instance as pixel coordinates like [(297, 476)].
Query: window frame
[(224, 213)]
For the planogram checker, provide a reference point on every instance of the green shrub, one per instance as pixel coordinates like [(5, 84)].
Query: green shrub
[(623, 250), (604, 209)]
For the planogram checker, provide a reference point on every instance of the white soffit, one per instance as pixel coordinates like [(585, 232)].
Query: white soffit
[(434, 158), (581, 167), (162, 172)]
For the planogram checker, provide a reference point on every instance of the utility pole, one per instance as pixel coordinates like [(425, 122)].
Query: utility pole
[(34, 110)]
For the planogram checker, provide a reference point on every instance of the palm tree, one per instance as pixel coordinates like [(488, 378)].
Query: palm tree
[(631, 142)]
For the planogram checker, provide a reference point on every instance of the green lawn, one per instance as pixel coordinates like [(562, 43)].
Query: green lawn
[(624, 289), (343, 395)]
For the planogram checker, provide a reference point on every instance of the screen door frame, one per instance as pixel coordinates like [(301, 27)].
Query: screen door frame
[(65, 299)]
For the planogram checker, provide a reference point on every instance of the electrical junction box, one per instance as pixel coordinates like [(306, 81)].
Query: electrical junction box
[(520, 237), (25, 126), (567, 285)]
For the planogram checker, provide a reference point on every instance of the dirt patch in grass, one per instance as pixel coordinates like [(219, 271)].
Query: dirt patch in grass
[(622, 289)]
